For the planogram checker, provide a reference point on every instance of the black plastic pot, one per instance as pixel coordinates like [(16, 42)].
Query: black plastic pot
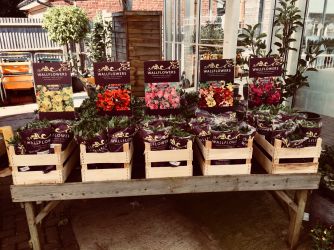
[(310, 116), (245, 91)]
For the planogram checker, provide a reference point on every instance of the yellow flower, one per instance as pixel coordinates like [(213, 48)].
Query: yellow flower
[(57, 98), (66, 97), (230, 87), (69, 108), (210, 101)]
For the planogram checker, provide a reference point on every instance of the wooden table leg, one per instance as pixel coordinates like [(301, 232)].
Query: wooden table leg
[(297, 218), (33, 229)]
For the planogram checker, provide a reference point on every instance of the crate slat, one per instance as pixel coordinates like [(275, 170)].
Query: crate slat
[(205, 154), (64, 161), (168, 155), (277, 153), (123, 173)]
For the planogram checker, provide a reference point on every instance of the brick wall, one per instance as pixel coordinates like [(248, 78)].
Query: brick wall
[(92, 7)]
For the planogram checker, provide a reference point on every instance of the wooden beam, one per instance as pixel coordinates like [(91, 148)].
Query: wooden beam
[(45, 211), (287, 200), (297, 218), (30, 213), (178, 185)]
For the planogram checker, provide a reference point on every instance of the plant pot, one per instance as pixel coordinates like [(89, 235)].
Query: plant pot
[(236, 89), (310, 116), (245, 91), (77, 85)]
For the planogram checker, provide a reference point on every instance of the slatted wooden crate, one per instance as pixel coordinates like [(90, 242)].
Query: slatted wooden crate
[(167, 156), (63, 160), (271, 157), (123, 173), (137, 38), (205, 154)]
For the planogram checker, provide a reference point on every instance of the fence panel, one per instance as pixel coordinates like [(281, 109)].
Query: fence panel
[(24, 34)]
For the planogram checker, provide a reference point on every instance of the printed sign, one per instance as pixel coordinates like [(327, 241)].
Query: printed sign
[(106, 73), (161, 71), (265, 67), (114, 89), (216, 70), (265, 81), (54, 92), (162, 86), (216, 85)]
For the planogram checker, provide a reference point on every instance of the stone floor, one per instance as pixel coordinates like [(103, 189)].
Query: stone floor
[(251, 220)]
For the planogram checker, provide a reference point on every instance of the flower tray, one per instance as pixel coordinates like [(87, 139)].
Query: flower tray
[(63, 160), (237, 160), (106, 174), (278, 160), (182, 155)]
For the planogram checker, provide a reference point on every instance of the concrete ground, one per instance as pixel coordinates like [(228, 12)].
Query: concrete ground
[(240, 221)]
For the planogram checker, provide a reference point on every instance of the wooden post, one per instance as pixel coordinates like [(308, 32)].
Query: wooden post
[(30, 213), (297, 218)]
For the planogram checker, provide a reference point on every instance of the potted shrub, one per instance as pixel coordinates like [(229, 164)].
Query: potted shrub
[(67, 25)]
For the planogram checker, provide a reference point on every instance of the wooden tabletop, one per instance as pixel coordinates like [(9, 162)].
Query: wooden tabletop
[(179, 185)]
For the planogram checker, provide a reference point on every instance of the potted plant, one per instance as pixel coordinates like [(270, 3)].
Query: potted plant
[(36, 136), (120, 130), (245, 132), (67, 25), (92, 132), (322, 237)]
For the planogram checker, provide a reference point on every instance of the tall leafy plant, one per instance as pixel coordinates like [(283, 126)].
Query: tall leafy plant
[(252, 38), (287, 20), (97, 40), (66, 25), (299, 79)]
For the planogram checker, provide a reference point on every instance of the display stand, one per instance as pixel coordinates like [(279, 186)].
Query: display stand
[(54, 193)]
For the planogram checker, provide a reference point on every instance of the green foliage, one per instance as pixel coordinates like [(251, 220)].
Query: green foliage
[(16, 139), (89, 128), (87, 108), (287, 20), (176, 131), (251, 37), (119, 122), (323, 237), (97, 40), (66, 24), (326, 167), (36, 124), (298, 80)]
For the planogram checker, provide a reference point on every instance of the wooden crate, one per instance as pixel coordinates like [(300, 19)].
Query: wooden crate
[(270, 156), (64, 161), (166, 156), (205, 154), (123, 173)]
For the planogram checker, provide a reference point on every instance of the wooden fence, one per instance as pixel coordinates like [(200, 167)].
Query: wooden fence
[(24, 34)]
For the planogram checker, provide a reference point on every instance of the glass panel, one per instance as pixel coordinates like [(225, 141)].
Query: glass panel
[(212, 23), (319, 29)]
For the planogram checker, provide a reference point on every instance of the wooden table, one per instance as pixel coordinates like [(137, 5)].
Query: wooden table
[(54, 193)]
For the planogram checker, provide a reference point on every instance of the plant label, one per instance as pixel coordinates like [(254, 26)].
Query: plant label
[(216, 85), (265, 81), (54, 94), (113, 87), (162, 87)]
